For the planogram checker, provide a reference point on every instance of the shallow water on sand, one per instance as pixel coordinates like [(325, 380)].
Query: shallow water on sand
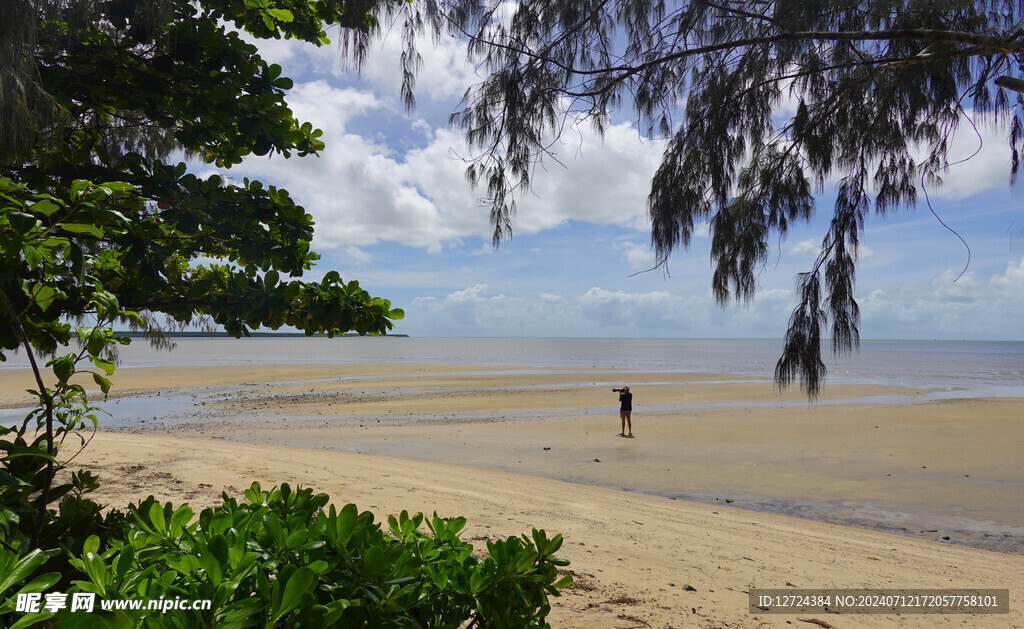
[(951, 370)]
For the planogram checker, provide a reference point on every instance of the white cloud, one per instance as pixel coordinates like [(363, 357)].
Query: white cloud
[(444, 75), (979, 160), (642, 311), (988, 169), (357, 255), (605, 180), (357, 190), (327, 106), (637, 257), (594, 312), (809, 247), (407, 184), (471, 294), (362, 191), (470, 311), (950, 287), (978, 305), (970, 307), (1010, 285)]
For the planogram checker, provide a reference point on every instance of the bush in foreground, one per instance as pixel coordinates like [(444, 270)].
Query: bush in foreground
[(287, 558)]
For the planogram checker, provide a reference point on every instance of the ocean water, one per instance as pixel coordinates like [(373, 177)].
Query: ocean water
[(990, 367)]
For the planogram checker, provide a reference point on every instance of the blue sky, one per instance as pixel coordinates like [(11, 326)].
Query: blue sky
[(393, 210)]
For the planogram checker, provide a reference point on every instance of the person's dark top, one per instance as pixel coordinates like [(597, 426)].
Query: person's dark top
[(626, 401)]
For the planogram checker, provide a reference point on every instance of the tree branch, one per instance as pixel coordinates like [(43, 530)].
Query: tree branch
[(1011, 83), (983, 44), (48, 403)]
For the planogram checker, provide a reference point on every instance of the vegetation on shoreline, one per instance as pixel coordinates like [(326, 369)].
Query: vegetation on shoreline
[(281, 558), (216, 334)]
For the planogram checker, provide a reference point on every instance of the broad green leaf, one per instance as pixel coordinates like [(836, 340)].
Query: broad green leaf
[(211, 565), (78, 186), (106, 302), (345, 523), (33, 453), (271, 278), (33, 256), (281, 15), (95, 568), (103, 383), (77, 257), (44, 207), (23, 568), (124, 562), (476, 581), (156, 516), (31, 619), (97, 341), (239, 614), (41, 583), (374, 560), (43, 296), (273, 524), (64, 367), (103, 364), (82, 228), (118, 186), (299, 583), (21, 222), (180, 518)]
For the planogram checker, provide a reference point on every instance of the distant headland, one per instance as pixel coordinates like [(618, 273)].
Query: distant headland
[(220, 334)]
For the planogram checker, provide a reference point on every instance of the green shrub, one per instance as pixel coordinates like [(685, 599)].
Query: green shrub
[(287, 558)]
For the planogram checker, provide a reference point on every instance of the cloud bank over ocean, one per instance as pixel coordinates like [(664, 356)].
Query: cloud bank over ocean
[(393, 209)]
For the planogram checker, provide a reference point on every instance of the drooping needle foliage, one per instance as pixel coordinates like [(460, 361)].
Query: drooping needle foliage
[(763, 103)]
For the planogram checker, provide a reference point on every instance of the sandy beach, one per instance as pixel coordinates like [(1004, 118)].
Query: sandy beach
[(717, 465)]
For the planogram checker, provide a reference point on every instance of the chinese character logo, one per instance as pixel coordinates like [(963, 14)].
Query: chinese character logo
[(28, 603)]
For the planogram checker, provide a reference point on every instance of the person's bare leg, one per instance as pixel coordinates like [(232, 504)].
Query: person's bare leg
[(629, 420), (622, 416)]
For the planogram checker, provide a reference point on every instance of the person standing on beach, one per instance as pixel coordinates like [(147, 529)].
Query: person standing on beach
[(625, 410)]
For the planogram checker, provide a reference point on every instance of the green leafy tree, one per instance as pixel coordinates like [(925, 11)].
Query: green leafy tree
[(91, 202), (879, 88), (97, 226)]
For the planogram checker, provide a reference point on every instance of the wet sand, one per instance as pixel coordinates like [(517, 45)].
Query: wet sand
[(935, 470), (919, 470)]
